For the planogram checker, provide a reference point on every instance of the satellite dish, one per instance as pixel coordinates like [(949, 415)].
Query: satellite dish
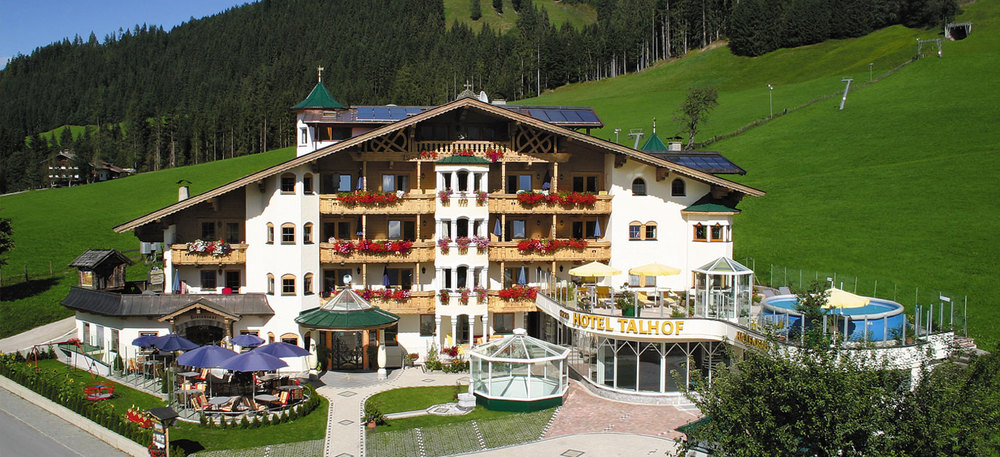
[(347, 280)]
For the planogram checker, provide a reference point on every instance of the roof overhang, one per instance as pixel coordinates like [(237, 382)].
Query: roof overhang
[(617, 149), (198, 306)]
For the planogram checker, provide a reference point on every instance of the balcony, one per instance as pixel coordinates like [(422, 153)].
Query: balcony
[(494, 151), (181, 256), (421, 302), (499, 305), (409, 204), (507, 251), (509, 204), (421, 251)]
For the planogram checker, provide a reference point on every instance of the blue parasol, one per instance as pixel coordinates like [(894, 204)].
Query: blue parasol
[(172, 342), (145, 341), (385, 280), (209, 356), (597, 227), (248, 340), (522, 276), (282, 349), (496, 228), (253, 361), (361, 182), (177, 281)]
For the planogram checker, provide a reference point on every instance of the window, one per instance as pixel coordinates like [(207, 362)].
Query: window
[(447, 277), (290, 338), (635, 231), (233, 232), (717, 233), (307, 284), (700, 232), (585, 183), (288, 233), (427, 325), (288, 285), (270, 233), (307, 184), (250, 332), (677, 188), (86, 333), (503, 322), (388, 183), (633, 280), (307, 233), (463, 181), (233, 281), (304, 132), (208, 231), (399, 277), (344, 183), (585, 229), (517, 229), (395, 230), (329, 133), (638, 187), (344, 230), (649, 281), (390, 335), (270, 284), (287, 183), (208, 279), (518, 182), (114, 339), (650, 229)]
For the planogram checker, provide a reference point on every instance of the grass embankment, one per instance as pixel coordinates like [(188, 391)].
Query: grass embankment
[(577, 15), (898, 187), (418, 398), (56, 225)]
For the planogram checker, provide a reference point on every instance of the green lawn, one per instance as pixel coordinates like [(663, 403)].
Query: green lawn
[(56, 225), (194, 437), (124, 397), (414, 398), (897, 188)]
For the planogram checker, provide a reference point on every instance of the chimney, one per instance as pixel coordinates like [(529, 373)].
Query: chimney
[(674, 146), (184, 191)]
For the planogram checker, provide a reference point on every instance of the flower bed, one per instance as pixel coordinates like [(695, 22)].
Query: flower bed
[(565, 199), (346, 247), (518, 292), (385, 294), (374, 198), (543, 246), (215, 248)]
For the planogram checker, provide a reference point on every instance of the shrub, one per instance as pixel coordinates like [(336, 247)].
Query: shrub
[(244, 423), (373, 413)]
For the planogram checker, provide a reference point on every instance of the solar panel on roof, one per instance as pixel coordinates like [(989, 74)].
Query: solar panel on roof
[(572, 115), (588, 116), (555, 115), (365, 112), (538, 114)]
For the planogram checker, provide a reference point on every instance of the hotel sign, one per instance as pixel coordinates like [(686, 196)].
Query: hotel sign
[(626, 326)]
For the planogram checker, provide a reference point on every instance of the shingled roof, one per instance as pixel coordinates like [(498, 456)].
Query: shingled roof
[(135, 305), (94, 257)]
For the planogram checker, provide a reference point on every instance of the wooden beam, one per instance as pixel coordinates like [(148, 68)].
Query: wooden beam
[(620, 160), (662, 173)]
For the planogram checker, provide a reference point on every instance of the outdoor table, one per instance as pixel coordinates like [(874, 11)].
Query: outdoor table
[(289, 388), (269, 377), (219, 401), (188, 374), (265, 397)]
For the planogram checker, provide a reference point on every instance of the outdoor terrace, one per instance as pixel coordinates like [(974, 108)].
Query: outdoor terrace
[(330, 204), (507, 251), (181, 255), (511, 204), (420, 251)]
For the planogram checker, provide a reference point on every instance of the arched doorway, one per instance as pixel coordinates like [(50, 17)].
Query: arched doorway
[(204, 334)]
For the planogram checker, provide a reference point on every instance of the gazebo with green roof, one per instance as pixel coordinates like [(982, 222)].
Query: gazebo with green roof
[(344, 324), (723, 289)]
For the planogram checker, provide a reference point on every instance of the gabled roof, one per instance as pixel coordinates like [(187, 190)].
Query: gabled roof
[(318, 98), (457, 104), (94, 257), (135, 305)]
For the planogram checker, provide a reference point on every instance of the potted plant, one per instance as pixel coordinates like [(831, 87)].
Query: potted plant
[(410, 358), (624, 302)]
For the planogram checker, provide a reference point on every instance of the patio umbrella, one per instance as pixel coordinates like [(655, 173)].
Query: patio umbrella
[(248, 340), (282, 349), (522, 276), (361, 182), (385, 280), (593, 270), (209, 356), (841, 299), (597, 227), (145, 341), (177, 282), (253, 361), (496, 229), (172, 342)]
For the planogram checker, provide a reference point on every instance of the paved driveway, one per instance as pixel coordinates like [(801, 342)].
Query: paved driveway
[(29, 431)]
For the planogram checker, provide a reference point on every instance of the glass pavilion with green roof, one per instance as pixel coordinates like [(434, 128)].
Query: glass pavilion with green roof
[(344, 324), (519, 373)]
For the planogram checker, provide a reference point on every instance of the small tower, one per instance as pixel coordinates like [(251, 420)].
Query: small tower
[(316, 118), (102, 269)]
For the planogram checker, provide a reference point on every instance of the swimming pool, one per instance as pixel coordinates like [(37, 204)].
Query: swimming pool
[(879, 320)]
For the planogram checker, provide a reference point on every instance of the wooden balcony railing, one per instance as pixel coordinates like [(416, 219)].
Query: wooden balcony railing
[(180, 256), (499, 305), (409, 204), (422, 251), (500, 150), (507, 252), (509, 204)]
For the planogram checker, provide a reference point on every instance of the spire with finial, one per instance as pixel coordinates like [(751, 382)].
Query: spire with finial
[(654, 125), (319, 72)]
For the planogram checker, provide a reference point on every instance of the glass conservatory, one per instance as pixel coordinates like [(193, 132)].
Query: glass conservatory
[(519, 373)]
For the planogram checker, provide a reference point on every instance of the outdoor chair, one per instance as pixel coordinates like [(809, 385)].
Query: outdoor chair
[(645, 301)]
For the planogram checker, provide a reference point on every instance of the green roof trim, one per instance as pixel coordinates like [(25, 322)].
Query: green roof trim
[(710, 208), (464, 159), (352, 320), (319, 98), (654, 144)]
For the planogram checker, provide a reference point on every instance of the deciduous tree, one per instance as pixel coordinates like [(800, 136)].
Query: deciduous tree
[(698, 103)]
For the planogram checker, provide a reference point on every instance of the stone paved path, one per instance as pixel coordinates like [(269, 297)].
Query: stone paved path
[(344, 434), (584, 412)]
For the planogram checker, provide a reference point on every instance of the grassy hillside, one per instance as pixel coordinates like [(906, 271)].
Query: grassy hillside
[(559, 13), (898, 187), (58, 224)]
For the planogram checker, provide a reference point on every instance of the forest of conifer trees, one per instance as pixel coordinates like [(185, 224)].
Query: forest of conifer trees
[(220, 86)]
